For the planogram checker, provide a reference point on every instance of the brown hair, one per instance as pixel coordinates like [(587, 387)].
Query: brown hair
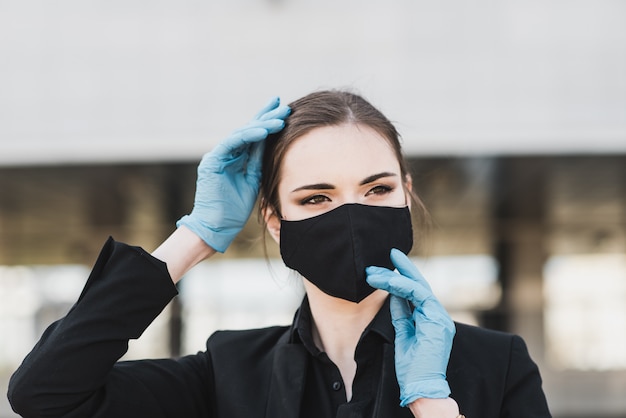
[(323, 108)]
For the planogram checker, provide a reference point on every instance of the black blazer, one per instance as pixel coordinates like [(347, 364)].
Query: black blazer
[(73, 370)]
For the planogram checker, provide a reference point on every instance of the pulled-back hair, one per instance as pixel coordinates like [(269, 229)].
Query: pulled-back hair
[(315, 110)]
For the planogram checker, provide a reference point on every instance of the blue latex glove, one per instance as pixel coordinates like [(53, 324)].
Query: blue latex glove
[(228, 179), (424, 331)]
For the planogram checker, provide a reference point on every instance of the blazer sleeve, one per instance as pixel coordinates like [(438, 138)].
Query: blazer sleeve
[(73, 371), (523, 394)]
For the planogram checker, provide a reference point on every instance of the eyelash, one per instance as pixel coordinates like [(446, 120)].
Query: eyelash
[(381, 189), (319, 198), (313, 200)]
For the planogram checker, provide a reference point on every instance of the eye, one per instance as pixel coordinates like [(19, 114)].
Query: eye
[(314, 200), (379, 190)]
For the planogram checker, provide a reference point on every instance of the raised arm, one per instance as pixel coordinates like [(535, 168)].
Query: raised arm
[(72, 370)]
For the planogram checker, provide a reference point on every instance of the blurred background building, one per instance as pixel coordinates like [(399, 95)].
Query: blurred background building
[(513, 115)]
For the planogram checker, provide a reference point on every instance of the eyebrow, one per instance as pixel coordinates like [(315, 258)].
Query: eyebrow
[(374, 177), (328, 186)]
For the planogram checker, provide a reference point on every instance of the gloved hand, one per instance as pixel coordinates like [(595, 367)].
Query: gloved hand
[(424, 332), (228, 179)]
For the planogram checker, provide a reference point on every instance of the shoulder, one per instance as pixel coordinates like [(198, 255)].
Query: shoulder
[(473, 335), (242, 343), (242, 361), (268, 333), (486, 342), (480, 347)]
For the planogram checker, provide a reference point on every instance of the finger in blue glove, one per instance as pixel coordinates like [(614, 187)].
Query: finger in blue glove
[(424, 330), (228, 179)]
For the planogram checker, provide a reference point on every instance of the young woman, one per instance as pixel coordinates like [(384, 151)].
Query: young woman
[(335, 193)]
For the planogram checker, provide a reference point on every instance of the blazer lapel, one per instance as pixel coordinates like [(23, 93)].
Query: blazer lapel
[(287, 381)]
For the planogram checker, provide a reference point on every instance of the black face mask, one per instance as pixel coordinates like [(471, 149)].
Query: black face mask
[(332, 249)]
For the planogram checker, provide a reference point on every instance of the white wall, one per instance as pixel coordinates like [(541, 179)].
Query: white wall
[(164, 80)]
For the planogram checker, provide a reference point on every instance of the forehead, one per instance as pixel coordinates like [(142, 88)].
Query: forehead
[(344, 150)]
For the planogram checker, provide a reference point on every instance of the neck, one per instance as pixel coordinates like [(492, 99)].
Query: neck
[(338, 324)]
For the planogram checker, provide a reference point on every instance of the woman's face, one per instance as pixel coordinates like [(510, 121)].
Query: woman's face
[(334, 165)]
